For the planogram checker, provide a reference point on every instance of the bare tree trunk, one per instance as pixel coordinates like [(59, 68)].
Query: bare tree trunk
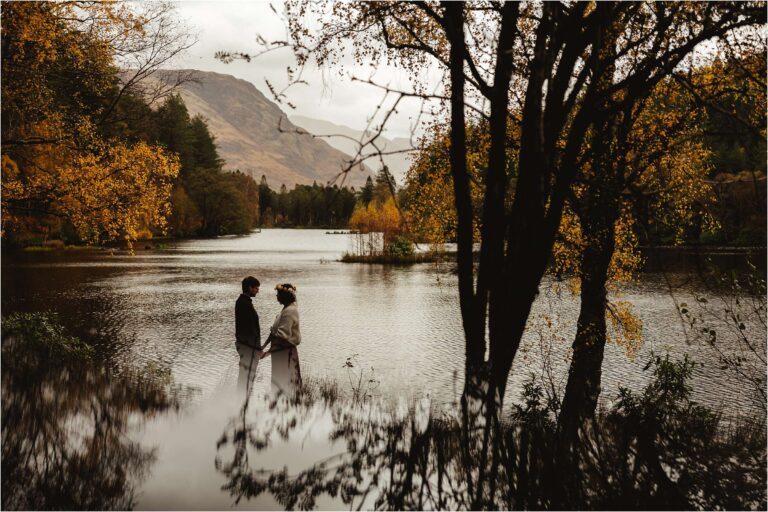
[(544, 177), (583, 388), (474, 337), (454, 21)]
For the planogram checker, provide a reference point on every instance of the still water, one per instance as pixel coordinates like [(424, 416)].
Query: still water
[(399, 327)]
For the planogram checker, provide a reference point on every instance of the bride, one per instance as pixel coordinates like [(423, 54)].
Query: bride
[(285, 336)]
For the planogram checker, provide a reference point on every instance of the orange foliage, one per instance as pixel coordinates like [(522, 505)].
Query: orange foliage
[(378, 225), (59, 75), (429, 185)]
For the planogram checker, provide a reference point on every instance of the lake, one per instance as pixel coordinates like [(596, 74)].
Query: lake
[(398, 326)]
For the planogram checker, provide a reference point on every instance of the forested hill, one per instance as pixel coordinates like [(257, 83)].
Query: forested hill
[(245, 124)]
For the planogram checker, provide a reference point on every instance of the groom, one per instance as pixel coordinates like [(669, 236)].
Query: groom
[(247, 333), (247, 329)]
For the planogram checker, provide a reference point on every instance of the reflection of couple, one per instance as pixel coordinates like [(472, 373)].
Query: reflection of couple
[(284, 335)]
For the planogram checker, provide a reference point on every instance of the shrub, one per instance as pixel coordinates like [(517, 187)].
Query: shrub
[(401, 247), (43, 333)]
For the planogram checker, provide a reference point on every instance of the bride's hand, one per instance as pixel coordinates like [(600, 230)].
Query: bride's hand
[(265, 354)]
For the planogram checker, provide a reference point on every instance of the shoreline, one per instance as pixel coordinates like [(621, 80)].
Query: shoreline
[(654, 254)]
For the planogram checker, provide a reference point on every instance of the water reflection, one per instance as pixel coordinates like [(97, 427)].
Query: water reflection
[(66, 426), (247, 365), (369, 455)]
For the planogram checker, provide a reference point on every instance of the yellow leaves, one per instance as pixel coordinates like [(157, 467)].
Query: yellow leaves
[(10, 168), (378, 225), (569, 246), (430, 207), (626, 260), (54, 74), (108, 195), (377, 218), (115, 194), (568, 250), (624, 328), (680, 188), (59, 74)]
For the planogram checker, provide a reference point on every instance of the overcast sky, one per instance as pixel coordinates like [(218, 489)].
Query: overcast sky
[(233, 26)]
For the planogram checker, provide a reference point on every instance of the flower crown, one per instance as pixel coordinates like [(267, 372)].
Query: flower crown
[(288, 289)]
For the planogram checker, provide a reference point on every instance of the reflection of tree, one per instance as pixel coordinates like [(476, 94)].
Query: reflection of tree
[(402, 462), (655, 449), (65, 420)]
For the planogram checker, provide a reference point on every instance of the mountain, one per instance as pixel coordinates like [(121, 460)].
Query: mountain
[(397, 163), (247, 127)]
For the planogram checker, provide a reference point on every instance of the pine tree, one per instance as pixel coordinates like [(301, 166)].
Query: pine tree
[(204, 149), (175, 131), (266, 197), (385, 185), (366, 194)]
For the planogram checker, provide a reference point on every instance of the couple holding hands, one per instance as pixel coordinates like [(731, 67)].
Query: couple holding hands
[(284, 337)]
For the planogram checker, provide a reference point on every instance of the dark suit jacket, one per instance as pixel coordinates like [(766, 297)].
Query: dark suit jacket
[(247, 329)]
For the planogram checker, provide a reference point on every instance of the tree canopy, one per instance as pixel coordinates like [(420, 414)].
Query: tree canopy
[(63, 161)]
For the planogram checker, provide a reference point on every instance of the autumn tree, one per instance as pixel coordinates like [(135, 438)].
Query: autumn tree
[(562, 67), (378, 225), (655, 157), (732, 90), (668, 177), (649, 152), (558, 56), (429, 203), (62, 156)]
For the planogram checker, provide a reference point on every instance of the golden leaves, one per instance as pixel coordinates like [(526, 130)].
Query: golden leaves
[(626, 260), (107, 195), (127, 189), (430, 207), (377, 218), (378, 225), (59, 75), (569, 246), (672, 163), (625, 329)]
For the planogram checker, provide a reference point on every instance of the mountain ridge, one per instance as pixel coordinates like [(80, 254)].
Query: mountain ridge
[(344, 139), (255, 136)]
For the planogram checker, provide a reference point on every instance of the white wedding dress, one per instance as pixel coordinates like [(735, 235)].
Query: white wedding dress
[(286, 335)]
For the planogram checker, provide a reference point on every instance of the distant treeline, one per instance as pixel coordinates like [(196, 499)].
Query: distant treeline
[(305, 205)]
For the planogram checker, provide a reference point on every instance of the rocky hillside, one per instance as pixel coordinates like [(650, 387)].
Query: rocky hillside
[(246, 126)]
